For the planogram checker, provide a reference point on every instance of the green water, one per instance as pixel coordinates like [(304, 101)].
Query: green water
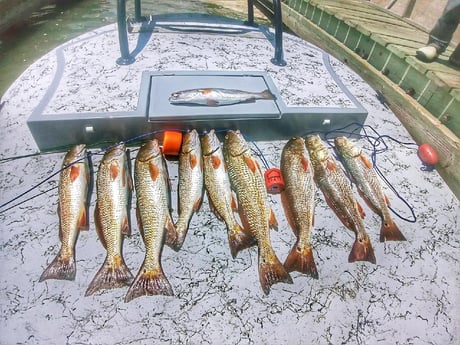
[(56, 24)]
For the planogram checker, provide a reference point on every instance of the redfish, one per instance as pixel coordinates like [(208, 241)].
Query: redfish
[(74, 183), (333, 183), (256, 215), (215, 97), (220, 196), (190, 188), (367, 182), (111, 215), (298, 200), (153, 216)]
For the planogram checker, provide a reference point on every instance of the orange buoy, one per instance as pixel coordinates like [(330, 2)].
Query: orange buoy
[(274, 181), (172, 142), (428, 154)]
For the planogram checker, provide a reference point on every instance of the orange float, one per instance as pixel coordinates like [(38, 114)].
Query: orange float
[(172, 142)]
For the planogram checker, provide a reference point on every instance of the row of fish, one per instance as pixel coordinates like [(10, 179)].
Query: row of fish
[(305, 165), (222, 171)]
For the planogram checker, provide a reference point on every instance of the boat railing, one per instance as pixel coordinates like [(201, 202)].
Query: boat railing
[(127, 58)]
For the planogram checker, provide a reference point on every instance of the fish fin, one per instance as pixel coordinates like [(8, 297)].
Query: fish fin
[(98, 224), (197, 204), (171, 234), (126, 227), (206, 91), (305, 163), (272, 222), (212, 102), (271, 271), (266, 94), (362, 251), (330, 165), (234, 204), (216, 162), (342, 218), (63, 268), (74, 172), (301, 260), (193, 161), (366, 161), (387, 201), (250, 163), (83, 221), (214, 210), (149, 283), (114, 170), (390, 232), (240, 239), (360, 210), (111, 275), (154, 171), (288, 213)]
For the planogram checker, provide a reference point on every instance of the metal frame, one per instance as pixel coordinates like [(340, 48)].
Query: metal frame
[(126, 58)]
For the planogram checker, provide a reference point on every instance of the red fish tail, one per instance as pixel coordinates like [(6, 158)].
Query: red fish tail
[(149, 283), (271, 271), (63, 268), (362, 251), (390, 232), (301, 260), (240, 239), (111, 275)]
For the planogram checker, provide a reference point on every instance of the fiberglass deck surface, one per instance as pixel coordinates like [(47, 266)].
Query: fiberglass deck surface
[(410, 296)]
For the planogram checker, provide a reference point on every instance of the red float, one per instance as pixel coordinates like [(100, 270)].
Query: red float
[(274, 181), (428, 154)]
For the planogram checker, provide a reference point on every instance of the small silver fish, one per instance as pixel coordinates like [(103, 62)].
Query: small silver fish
[(217, 97)]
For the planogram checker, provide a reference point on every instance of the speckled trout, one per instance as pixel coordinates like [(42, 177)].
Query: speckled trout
[(333, 183), (367, 182), (214, 97), (190, 188), (248, 182), (153, 216), (74, 182), (220, 196), (111, 216), (298, 200)]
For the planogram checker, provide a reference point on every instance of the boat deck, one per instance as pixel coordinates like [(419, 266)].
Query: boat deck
[(381, 46), (410, 296)]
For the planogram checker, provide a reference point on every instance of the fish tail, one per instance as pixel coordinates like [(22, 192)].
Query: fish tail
[(362, 250), (112, 274), (62, 267), (390, 232), (240, 239), (301, 260), (266, 94), (149, 283), (271, 271)]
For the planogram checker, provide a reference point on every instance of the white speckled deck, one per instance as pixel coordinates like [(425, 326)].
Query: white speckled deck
[(410, 297)]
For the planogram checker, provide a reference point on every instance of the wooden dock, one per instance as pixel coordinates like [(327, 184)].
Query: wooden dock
[(380, 46)]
